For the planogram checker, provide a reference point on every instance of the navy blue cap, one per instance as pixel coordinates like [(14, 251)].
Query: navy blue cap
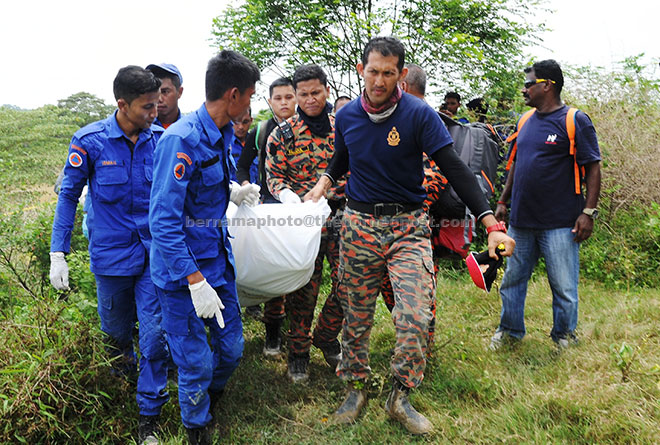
[(169, 68)]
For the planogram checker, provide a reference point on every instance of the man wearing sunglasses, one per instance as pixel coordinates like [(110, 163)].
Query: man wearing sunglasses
[(549, 216)]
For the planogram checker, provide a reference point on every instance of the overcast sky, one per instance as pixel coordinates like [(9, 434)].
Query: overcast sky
[(52, 49)]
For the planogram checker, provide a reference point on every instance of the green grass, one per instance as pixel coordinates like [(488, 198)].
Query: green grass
[(523, 394), (56, 385)]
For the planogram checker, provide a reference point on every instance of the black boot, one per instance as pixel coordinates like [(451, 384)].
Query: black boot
[(215, 401), (399, 408), (298, 367), (356, 398), (199, 436), (148, 430), (331, 352), (273, 343)]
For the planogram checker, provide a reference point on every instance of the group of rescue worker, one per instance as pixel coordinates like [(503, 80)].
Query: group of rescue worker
[(149, 169)]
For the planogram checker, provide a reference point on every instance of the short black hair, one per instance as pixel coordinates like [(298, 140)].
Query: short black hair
[(342, 98), (164, 74), (133, 81), (387, 46), (453, 95), (281, 82), (548, 69), (309, 72), (477, 105), (227, 70), (416, 78)]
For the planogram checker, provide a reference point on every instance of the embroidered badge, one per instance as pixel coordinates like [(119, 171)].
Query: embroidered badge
[(75, 160), (179, 171), (80, 149), (109, 163), (393, 137), (184, 156), (552, 139)]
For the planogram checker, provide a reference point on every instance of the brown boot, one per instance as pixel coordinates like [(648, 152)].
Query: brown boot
[(356, 398), (399, 408)]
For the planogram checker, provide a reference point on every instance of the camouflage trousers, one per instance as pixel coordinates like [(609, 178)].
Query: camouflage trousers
[(300, 304), (370, 248), (274, 310), (388, 297)]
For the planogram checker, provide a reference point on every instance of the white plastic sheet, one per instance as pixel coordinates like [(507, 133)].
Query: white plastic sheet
[(274, 246)]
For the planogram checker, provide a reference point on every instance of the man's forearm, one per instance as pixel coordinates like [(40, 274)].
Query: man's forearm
[(592, 178)]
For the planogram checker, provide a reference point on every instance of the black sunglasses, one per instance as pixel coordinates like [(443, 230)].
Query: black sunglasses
[(530, 83)]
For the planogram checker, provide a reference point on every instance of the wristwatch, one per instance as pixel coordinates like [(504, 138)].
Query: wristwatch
[(591, 213), (499, 227)]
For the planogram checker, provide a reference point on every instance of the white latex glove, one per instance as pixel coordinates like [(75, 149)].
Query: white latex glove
[(206, 301), (83, 196), (59, 271), (248, 194), (288, 197)]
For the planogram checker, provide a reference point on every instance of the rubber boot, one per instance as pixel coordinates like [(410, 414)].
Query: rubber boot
[(298, 363), (331, 351), (356, 398), (215, 397), (148, 430), (399, 408), (199, 436), (273, 342)]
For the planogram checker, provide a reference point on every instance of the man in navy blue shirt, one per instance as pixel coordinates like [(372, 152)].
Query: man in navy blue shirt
[(549, 215), (192, 264), (381, 137), (115, 156)]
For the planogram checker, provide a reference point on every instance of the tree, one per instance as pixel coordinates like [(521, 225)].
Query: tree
[(86, 107), (463, 44)]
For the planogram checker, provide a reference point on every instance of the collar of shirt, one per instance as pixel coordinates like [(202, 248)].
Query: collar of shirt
[(115, 131), (211, 129)]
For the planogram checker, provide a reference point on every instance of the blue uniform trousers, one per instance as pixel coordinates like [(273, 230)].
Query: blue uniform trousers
[(202, 367), (121, 302)]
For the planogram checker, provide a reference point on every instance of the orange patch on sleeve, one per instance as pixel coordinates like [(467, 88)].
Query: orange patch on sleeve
[(184, 156)]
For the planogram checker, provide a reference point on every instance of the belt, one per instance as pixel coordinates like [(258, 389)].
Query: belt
[(383, 208)]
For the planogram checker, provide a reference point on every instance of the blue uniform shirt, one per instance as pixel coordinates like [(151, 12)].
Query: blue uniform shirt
[(189, 198), (543, 194), (385, 159), (236, 150), (119, 175)]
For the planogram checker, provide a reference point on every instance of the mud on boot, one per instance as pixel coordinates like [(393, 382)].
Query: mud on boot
[(349, 410), (399, 408), (148, 430)]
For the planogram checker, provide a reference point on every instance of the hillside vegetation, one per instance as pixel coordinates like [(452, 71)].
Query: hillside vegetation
[(55, 380)]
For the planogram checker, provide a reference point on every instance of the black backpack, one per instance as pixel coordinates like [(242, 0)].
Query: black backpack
[(480, 147)]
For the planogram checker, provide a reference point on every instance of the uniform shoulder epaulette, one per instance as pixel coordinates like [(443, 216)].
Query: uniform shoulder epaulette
[(94, 127), (157, 128)]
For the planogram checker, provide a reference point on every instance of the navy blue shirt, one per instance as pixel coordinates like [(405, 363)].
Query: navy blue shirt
[(385, 159), (543, 194), (189, 197)]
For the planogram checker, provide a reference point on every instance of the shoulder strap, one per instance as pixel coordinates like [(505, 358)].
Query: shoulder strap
[(514, 136), (261, 136), (570, 130)]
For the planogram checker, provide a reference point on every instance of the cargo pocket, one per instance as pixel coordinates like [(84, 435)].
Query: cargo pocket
[(149, 172), (110, 181), (212, 181)]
